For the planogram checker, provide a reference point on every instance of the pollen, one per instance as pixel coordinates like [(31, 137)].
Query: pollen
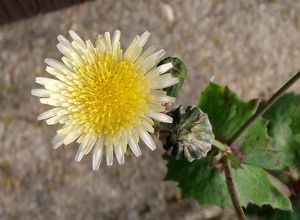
[(110, 96)]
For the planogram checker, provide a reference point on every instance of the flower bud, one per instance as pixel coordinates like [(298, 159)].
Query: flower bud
[(178, 71), (190, 135)]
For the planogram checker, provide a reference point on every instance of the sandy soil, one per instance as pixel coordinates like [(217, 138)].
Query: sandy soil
[(253, 46)]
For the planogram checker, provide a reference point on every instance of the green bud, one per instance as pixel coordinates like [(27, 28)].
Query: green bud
[(190, 135), (178, 71)]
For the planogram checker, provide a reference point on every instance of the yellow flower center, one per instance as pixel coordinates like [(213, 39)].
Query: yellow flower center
[(108, 96)]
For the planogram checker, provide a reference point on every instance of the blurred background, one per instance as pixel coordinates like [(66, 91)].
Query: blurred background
[(253, 46)]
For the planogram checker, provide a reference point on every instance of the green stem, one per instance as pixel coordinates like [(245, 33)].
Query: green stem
[(232, 191), (219, 145), (264, 108), (227, 166)]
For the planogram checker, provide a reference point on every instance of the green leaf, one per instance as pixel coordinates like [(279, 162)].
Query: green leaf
[(258, 148), (267, 213), (284, 127), (178, 71), (226, 111), (207, 184), (198, 180)]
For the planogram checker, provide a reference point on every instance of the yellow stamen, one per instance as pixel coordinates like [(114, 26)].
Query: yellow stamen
[(110, 96)]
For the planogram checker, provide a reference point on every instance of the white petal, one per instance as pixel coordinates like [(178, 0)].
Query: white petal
[(100, 43), (49, 101), (165, 81), (164, 67), (108, 42), (148, 140), (80, 49), (68, 49), (144, 55), (65, 45), (53, 71), (69, 64), (65, 129), (151, 61), (116, 39), (50, 84), (109, 155), (72, 136), (56, 145), (69, 52), (63, 40), (41, 92), (144, 38), (79, 156), (45, 81), (66, 135), (57, 73), (56, 64), (81, 138), (131, 48), (155, 56), (147, 119), (161, 117), (147, 126), (57, 140), (81, 151), (134, 147), (54, 120), (76, 38), (97, 155), (90, 145), (165, 98), (168, 83), (124, 148), (161, 69), (97, 158), (50, 113), (119, 154), (161, 96), (90, 45), (135, 136), (156, 107), (136, 53)]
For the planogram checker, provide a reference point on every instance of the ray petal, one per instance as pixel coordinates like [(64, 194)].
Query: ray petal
[(97, 155), (148, 140), (134, 147)]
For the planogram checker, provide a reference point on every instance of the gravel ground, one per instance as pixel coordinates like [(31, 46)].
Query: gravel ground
[(253, 46)]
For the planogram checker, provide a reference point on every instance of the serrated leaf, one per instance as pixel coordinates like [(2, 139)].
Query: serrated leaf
[(207, 184), (199, 181), (258, 148), (284, 127), (226, 111), (178, 71), (267, 213)]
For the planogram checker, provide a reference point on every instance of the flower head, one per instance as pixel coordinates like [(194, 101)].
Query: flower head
[(105, 99)]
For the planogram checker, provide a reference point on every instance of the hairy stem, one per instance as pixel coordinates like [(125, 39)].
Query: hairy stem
[(219, 145), (232, 191), (264, 108), (227, 166)]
